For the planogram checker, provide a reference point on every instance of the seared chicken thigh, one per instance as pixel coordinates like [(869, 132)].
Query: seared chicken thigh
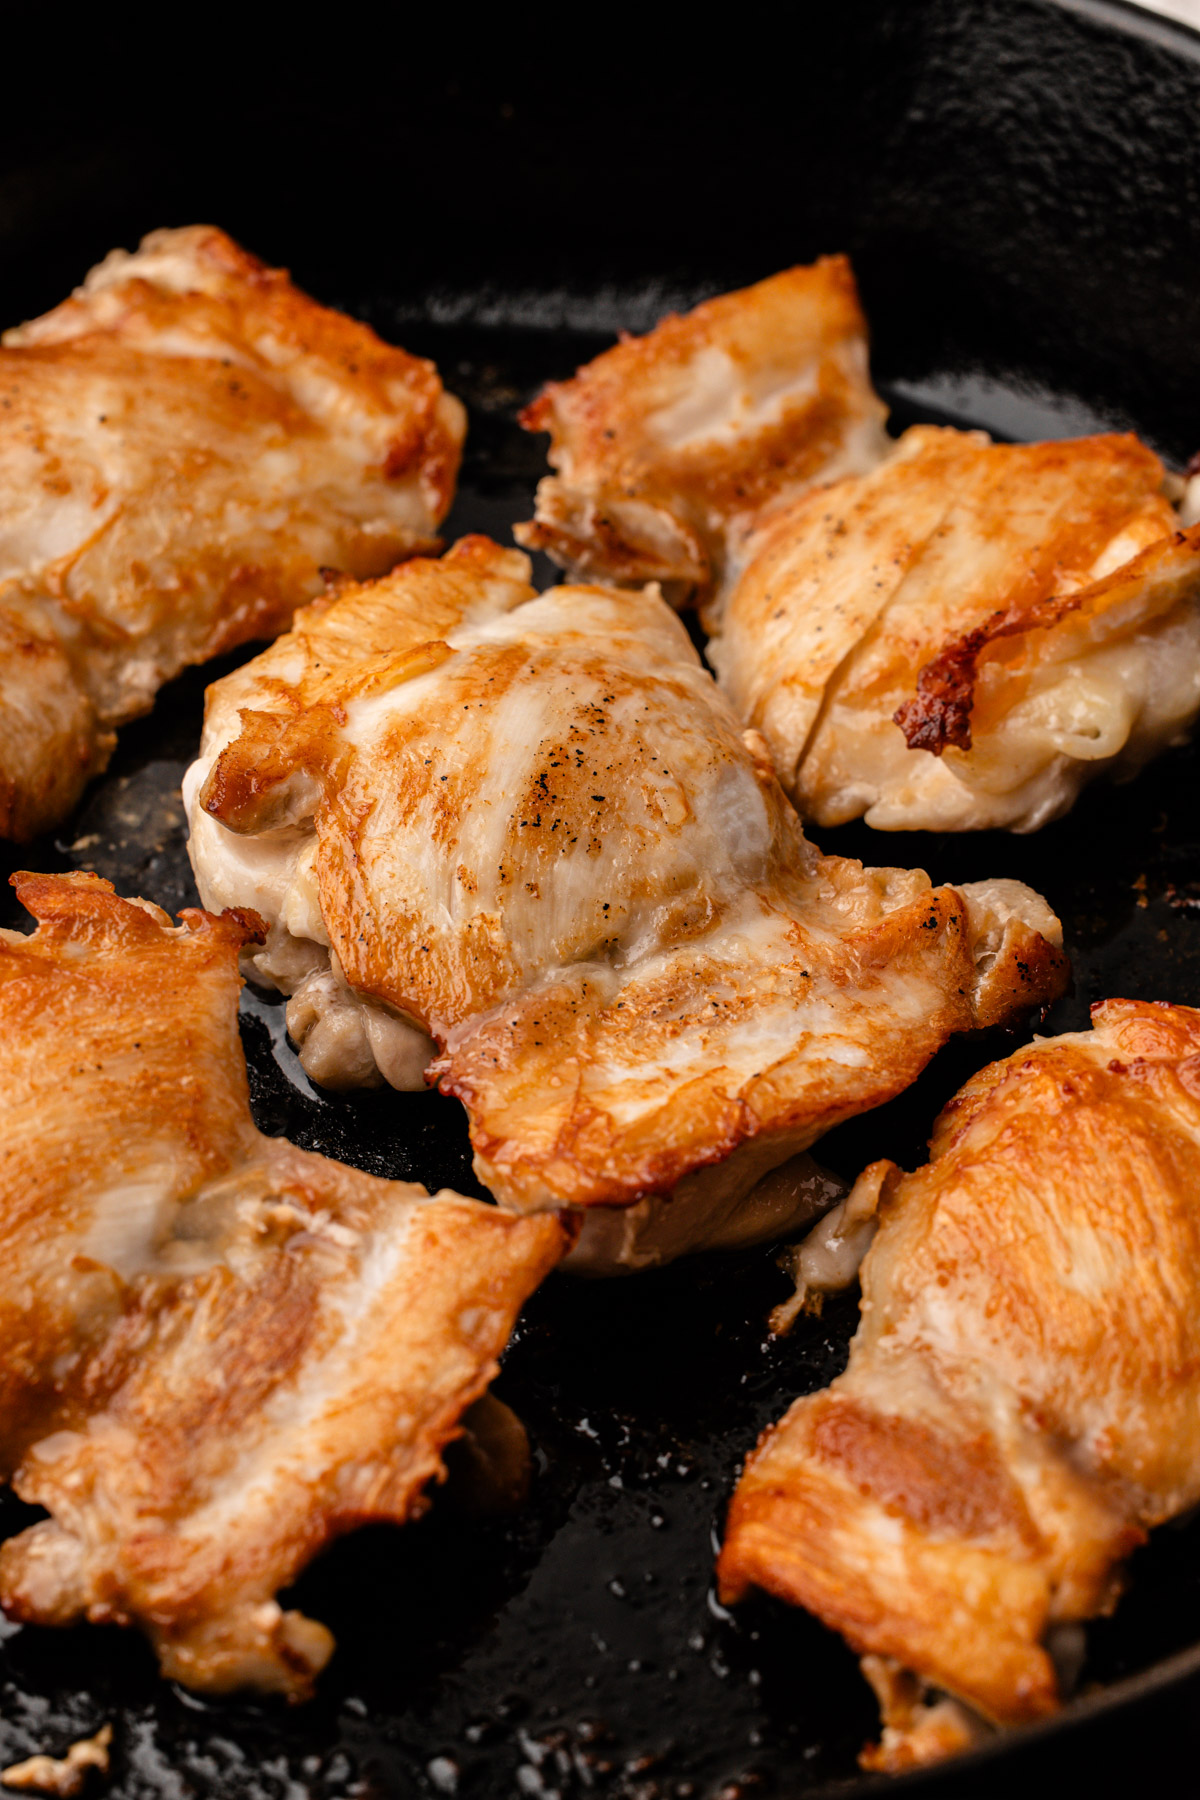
[(184, 444), (667, 447), (1023, 1396), (962, 637), (217, 1352), (529, 830)]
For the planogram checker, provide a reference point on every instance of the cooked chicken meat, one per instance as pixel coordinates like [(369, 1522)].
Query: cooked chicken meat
[(962, 637), (217, 1352), (64, 1776), (1022, 1399), (529, 830), (666, 447), (184, 444)]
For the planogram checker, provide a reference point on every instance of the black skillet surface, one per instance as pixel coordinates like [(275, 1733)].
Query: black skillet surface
[(1018, 184)]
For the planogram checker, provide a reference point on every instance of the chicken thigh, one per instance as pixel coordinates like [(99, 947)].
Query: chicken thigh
[(217, 1352), (184, 444), (667, 447), (529, 830), (963, 637), (1022, 1401)]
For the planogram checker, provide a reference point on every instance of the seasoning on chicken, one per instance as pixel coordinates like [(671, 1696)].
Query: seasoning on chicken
[(666, 447), (529, 830), (1022, 1397), (184, 444), (963, 637), (217, 1352)]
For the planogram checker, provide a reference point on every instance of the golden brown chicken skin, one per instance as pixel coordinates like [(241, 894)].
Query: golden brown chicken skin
[(217, 1352), (527, 829), (184, 444), (1021, 1401), (963, 637), (666, 446)]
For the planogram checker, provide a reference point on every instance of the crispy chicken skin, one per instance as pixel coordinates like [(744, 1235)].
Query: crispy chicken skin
[(184, 444), (217, 1352), (961, 638), (531, 828), (667, 446), (1022, 1397)]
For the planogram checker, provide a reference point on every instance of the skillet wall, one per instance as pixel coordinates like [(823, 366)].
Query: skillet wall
[(1017, 180)]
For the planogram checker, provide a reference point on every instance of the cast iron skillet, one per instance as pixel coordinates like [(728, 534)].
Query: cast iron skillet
[(1017, 182)]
